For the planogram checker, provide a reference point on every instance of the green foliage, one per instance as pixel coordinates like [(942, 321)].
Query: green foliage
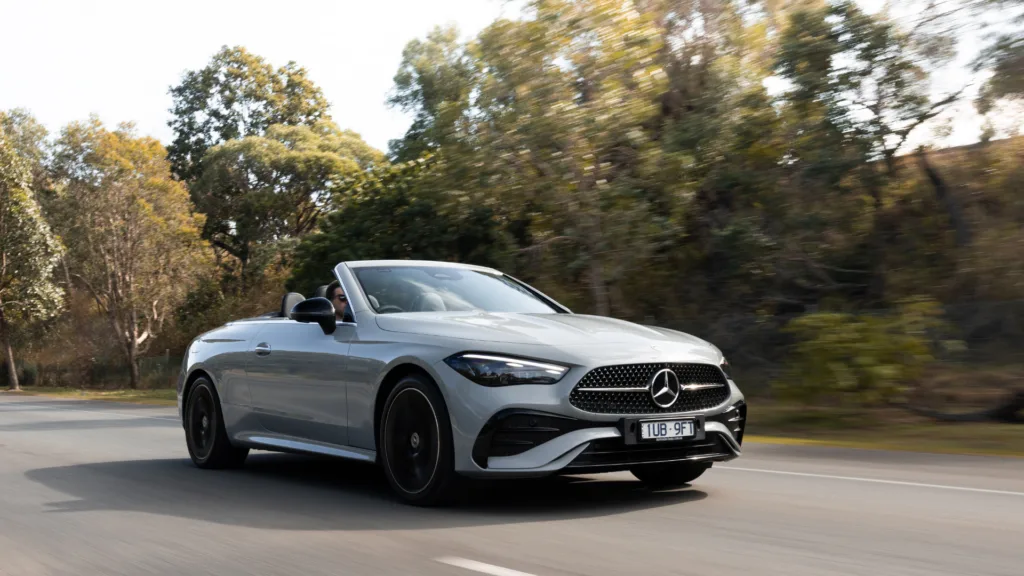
[(237, 94), (27, 137), (210, 304), (1005, 58), (433, 83), (133, 237), (29, 252), (622, 142), (858, 85), (626, 157), (259, 191), (552, 114), (860, 359), (393, 212)]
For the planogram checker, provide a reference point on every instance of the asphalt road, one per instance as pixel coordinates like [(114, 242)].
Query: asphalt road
[(105, 489)]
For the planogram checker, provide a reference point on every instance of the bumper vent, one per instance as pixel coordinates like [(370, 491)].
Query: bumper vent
[(512, 432), (737, 420), (734, 418), (625, 389)]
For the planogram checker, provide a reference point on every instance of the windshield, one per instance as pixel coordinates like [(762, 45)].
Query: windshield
[(437, 289)]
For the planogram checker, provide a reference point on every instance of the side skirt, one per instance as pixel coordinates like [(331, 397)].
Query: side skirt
[(292, 445)]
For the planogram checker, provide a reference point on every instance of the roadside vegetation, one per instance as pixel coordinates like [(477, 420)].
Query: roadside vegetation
[(155, 396), (625, 157)]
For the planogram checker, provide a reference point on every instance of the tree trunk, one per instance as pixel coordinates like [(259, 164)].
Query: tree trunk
[(133, 365), (945, 195), (5, 341)]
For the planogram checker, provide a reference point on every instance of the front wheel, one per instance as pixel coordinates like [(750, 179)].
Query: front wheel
[(674, 475), (416, 443), (205, 435)]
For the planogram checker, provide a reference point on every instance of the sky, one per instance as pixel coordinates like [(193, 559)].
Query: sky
[(64, 60)]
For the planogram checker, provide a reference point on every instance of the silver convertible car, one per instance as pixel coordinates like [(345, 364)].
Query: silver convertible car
[(440, 372)]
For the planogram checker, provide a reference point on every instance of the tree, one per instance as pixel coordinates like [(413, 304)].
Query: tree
[(133, 237), (1006, 60), (434, 82), (860, 87), (395, 211), (27, 137), (558, 120), (237, 94), (28, 251), (261, 190)]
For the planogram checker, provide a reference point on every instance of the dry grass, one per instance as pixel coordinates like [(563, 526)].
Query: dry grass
[(158, 396), (879, 429)]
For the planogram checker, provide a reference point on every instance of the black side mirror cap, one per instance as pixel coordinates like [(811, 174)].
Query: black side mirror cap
[(318, 310)]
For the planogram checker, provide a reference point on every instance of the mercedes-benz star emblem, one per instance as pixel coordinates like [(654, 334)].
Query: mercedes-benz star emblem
[(665, 388)]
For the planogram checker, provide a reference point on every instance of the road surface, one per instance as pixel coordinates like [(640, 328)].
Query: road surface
[(103, 489)]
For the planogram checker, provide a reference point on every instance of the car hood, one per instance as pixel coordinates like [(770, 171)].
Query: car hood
[(565, 331)]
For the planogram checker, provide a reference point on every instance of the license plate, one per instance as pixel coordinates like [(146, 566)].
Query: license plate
[(666, 430)]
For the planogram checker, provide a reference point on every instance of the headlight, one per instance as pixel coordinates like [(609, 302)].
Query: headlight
[(724, 365), (494, 370)]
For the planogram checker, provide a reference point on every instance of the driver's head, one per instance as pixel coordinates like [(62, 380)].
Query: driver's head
[(338, 298)]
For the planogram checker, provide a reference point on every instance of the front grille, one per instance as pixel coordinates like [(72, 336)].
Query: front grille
[(624, 389), (612, 454)]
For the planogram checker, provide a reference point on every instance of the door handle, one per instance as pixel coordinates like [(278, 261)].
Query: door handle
[(262, 349)]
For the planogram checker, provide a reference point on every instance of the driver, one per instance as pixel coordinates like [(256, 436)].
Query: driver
[(337, 297)]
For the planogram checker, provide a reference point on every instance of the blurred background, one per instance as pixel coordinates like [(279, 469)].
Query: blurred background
[(830, 192)]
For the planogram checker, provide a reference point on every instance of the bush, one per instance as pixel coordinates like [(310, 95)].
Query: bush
[(28, 374), (860, 359), (396, 213)]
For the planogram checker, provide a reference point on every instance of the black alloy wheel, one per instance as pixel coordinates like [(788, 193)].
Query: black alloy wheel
[(674, 475), (416, 443), (205, 435)]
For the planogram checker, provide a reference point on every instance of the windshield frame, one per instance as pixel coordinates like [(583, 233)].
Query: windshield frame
[(557, 308)]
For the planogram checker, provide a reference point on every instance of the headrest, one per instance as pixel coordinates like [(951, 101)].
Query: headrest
[(431, 303), (323, 291), (289, 301)]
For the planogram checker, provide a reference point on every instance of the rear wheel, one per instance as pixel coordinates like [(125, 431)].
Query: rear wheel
[(205, 435), (669, 475), (416, 443)]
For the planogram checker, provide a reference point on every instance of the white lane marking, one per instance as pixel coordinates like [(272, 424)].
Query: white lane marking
[(102, 412), (480, 567), (876, 481)]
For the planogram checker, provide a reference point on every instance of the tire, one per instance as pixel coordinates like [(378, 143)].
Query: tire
[(662, 476), (415, 440), (205, 435)]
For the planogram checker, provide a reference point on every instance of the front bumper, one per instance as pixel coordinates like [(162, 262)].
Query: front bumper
[(536, 430), (524, 443)]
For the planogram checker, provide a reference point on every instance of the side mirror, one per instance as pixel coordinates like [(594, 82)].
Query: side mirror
[(319, 310)]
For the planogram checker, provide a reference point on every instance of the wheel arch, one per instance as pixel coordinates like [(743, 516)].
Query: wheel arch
[(388, 383), (196, 374)]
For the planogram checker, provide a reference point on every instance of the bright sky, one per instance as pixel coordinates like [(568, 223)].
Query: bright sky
[(63, 60)]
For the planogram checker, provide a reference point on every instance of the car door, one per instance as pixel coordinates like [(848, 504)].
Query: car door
[(295, 380)]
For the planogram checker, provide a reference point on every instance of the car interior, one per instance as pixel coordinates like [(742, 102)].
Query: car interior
[(289, 300)]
